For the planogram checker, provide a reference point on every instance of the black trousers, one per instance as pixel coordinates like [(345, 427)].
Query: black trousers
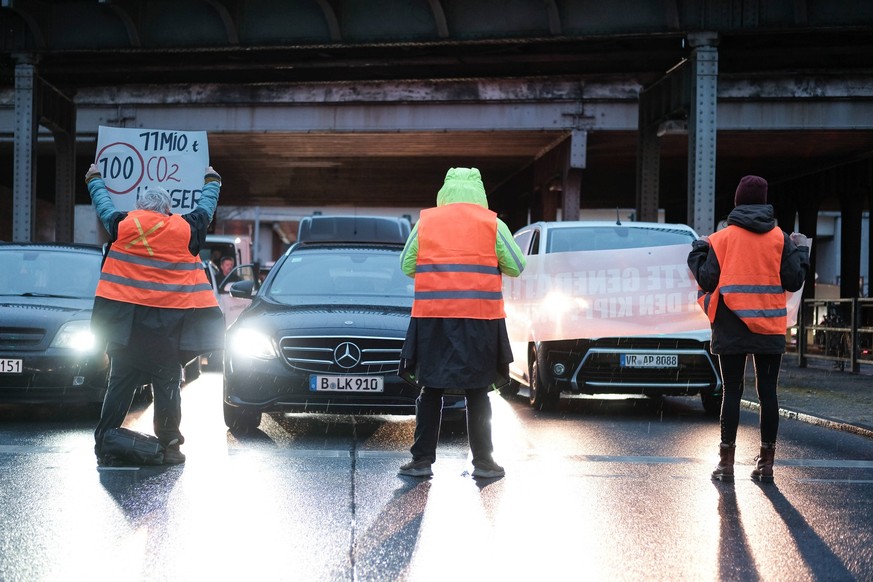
[(124, 380), (428, 416), (733, 371)]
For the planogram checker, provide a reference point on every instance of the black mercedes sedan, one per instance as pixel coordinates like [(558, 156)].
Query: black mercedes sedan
[(47, 352), (323, 334)]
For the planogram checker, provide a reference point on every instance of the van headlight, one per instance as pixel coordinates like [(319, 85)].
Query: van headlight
[(75, 335), (252, 343)]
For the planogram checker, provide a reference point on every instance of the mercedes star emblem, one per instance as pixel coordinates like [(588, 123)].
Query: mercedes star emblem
[(347, 355)]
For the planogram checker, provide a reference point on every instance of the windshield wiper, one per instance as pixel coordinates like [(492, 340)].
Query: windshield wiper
[(32, 294)]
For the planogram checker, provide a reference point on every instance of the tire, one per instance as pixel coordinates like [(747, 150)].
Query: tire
[(711, 401), (241, 418), (541, 398)]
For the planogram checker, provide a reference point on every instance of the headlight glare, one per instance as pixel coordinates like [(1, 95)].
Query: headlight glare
[(75, 335), (252, 344)]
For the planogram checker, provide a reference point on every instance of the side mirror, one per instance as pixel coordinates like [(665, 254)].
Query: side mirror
[(242, 289)]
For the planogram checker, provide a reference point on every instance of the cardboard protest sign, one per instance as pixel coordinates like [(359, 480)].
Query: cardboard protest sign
[(133, 159), (624, 292)]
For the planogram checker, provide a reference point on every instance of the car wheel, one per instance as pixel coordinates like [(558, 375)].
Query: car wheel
[(509, 390), (241, 418), (711, 401), (540, 396)]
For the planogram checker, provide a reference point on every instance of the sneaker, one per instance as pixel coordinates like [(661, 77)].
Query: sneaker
[(416, 469), (488, 470), (172, 454)]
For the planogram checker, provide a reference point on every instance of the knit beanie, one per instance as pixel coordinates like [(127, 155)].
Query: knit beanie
[(752, 190)]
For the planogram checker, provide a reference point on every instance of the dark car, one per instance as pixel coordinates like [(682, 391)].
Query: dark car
[(650, 362), (47, 351), (323, 334)]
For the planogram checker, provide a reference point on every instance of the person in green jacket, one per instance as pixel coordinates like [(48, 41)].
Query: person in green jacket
[(457, 340)]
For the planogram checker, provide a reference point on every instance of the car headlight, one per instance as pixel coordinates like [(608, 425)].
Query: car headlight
[(252, 344), (75, 335)]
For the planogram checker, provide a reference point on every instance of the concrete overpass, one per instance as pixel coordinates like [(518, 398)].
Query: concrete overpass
[(564, 105)]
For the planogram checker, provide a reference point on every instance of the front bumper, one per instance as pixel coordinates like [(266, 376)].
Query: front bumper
[(598, 370), (55, 379), (271, 386)]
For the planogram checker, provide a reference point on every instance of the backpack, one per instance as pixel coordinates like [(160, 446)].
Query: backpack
[(131, 447)]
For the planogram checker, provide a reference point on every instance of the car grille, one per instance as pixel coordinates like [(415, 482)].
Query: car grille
[(342, 355), (648, 343), (12, 338), (602, 366)]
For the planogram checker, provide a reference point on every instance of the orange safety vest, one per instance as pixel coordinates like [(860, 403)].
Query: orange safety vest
[(749, 284), (456, 269), (149, 264)]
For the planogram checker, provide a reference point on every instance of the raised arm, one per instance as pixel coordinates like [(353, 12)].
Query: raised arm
[(211, 187), (101, 200)]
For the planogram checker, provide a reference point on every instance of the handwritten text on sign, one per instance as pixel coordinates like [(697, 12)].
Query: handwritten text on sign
[(131, 160)]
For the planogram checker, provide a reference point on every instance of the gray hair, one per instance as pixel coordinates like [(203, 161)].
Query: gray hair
[(155, 199)]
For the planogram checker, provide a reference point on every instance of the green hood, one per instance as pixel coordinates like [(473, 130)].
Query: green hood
[(463, 185)]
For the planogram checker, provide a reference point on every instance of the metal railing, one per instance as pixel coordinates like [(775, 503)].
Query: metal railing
[(837, 330)]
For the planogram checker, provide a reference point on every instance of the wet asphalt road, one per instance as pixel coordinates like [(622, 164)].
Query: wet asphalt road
[(599, 490)]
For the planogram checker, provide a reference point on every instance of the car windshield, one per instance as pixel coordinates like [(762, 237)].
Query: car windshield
[(599, 238), (48, 273), (338, 272)]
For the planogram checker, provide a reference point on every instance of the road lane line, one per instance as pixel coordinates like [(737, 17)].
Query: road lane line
[(533, 455)]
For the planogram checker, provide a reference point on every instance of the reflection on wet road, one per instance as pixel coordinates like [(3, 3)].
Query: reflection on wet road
[(599, 490)]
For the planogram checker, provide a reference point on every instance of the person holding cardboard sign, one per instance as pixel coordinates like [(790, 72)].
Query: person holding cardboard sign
[(154, 306)]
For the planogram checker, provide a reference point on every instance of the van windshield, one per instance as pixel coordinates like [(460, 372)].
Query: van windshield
[(599, 238)]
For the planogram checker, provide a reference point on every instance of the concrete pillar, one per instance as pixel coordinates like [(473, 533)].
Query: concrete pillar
[(702, 131), (24, 163)]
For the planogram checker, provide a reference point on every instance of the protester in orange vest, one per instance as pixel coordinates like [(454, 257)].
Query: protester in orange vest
[(743, 272), (154, 306), (457, 339)]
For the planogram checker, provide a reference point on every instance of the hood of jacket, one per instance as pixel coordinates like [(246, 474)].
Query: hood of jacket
[(463, 185), (753, 217)]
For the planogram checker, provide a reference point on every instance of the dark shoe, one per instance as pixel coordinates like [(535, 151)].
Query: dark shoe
[(763, 470), (724, 471), (414, 468), (488, 470), (172, 454)]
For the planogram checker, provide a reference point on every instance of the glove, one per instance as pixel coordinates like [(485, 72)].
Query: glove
[(93, 172), (211, 176), (799, 239), (701, 243)]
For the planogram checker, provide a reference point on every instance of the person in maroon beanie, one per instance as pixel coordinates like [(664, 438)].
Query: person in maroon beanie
[(743, 272)]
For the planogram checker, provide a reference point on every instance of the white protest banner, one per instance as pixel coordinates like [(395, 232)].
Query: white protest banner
[(626, 292), (131, 160)]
